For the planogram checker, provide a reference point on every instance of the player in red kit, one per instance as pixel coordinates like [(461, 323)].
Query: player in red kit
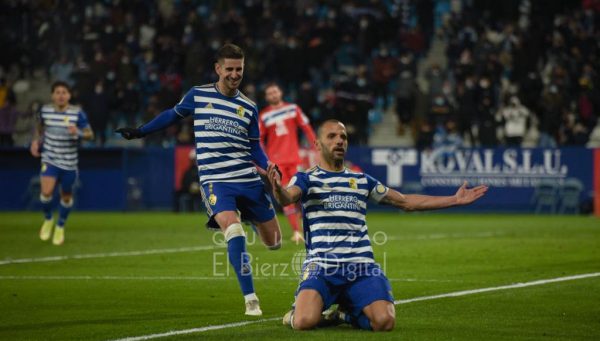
[(279, 123)]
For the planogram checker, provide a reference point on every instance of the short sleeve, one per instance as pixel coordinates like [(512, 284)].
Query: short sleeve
[(377, 190), (300, 180), (253, 129), (82, 120), (185, 107)]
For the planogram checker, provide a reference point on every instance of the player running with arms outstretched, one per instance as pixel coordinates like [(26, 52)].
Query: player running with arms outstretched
[(339, 266), (279, 123), (56, 139), (228, 152)]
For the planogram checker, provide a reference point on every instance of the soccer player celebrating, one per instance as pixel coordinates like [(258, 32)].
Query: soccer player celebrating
[(339, 267), (229, 158), (58, 131), (279, 123)]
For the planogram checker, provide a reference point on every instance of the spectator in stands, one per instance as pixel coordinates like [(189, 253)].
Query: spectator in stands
[(514, 117)]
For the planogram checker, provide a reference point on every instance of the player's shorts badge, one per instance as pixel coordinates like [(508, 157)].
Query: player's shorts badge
[(44, 167), (310, 269), (353, 183), (240, 111), (212, 199)]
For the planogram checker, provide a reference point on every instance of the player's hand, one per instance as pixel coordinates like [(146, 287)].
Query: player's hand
[(130, 133), (34, 149), (466, 195), (72, 130), (274, 176)]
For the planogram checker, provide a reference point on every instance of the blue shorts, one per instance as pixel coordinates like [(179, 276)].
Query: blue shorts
[(353, 286), (66, 178), (249, 198)]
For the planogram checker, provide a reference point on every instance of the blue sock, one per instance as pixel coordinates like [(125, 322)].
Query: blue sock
[(46, 206), (239, 259), (361, 321), (63, 212)]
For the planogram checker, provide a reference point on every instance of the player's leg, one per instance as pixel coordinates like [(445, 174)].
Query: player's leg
[(47, 183), (67, 179), (255, 206), (219, 199), (381, 315), (370, 301), (291, 212), (307, 313), (239, 259)]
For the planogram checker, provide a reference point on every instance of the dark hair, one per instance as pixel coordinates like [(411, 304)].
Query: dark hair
[(270, 85), (60, 84), (331, 120), (230, 51)]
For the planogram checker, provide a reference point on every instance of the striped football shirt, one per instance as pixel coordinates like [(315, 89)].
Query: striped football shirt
[(223, 128), (59, 147), (334, 211)]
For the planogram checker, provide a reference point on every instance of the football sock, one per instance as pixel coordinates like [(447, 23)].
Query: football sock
[(46, 206), (361, 321), (63, 212), (239, 259)]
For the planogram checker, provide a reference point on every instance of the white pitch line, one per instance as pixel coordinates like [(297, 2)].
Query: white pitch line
[(398, 302), (109, 254), (502, 287), (197, 330)]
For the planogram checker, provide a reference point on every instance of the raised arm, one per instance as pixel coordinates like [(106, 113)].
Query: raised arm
[(418, 202), (284, 196), (163, 120)]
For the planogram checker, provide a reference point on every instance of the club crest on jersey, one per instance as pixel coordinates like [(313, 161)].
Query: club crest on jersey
[(212, 199), (353, 183), (209, 106), (240, 111)]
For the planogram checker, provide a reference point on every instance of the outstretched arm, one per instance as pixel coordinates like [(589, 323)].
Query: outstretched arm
[(284, 196), (418, 202), (163, 120)]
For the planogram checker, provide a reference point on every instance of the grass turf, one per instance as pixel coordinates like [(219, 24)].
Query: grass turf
[(107, 296)]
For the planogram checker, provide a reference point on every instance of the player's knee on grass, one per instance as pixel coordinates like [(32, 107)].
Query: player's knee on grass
[(384, 322), (305, 321)]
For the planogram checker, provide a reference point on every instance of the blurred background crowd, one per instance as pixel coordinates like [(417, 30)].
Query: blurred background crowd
[(420, 73)]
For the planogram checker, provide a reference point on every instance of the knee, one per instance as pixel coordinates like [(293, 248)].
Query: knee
[(305, 322), (383, 323)]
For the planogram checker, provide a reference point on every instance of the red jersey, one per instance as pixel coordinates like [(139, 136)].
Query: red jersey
[(279, 132)]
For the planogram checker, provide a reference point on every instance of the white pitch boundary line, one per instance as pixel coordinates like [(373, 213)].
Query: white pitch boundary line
[(109, 254), (502, 287), (397, 302), (178, 278)]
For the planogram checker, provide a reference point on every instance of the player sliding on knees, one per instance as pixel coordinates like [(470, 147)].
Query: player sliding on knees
[(229, 158), (339, 266)]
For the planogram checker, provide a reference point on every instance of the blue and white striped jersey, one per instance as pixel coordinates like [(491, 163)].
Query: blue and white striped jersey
[(223, 128), (334, 206), (59, 147)]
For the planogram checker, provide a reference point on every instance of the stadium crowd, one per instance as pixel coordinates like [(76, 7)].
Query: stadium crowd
[(129, 60)]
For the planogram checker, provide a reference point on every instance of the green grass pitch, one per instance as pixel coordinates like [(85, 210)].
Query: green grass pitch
[(133, 274)]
